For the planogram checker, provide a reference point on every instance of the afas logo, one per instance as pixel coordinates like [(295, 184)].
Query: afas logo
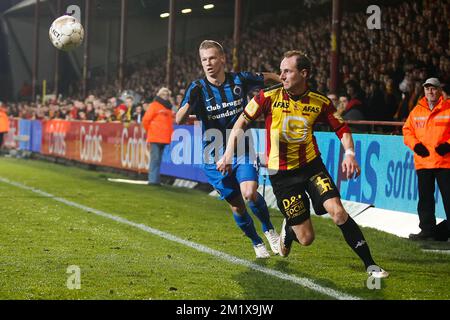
[(281, 104), (311, 109)]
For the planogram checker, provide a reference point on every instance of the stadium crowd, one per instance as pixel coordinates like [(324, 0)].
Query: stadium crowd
[(382, 69)]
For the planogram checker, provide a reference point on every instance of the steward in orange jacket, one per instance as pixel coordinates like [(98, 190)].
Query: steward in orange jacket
[(427, 133), (4, 123), (431, 128), (158, 121)]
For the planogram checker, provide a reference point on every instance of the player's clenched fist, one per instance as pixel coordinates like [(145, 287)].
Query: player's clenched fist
[(223, 166)]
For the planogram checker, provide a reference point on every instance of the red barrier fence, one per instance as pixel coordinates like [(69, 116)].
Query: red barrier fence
[(11, 138), (117, 145), (106, 144)]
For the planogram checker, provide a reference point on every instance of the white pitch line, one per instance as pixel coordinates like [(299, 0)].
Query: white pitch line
[(304, 282), (128, 181), (436, 251)]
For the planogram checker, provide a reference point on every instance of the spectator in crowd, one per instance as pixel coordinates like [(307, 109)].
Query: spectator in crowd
[(90, 112), (375, 101), (100, 115), (342, 106), (138, 114), (402, 51), (446, 91), (427, 133), (146, 104), (129, 102), (120, 113), (114, 102), (389, 105), (158, 122), (4, 122), (403, 107), (73, 115), (178, 99), (82, 116), (109, 116), (355, 109), (334, 98)]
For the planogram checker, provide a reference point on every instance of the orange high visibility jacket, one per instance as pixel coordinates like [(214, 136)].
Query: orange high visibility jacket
[(431, 128), (158, 122), (4, 121)]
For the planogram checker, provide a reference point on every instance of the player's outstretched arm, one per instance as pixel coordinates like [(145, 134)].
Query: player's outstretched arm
[(224, 164), (192, 98), (183, 114), (271, 77), (350, 166)]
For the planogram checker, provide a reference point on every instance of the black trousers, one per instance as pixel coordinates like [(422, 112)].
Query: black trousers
[(426, 206)]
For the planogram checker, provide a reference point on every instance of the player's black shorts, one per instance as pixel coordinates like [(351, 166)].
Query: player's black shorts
[(292, 186)]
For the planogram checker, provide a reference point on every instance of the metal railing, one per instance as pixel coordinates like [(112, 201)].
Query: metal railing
[(395, 127), (376, 127)]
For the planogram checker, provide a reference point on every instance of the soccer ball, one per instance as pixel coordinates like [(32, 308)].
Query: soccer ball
[(66, 33)]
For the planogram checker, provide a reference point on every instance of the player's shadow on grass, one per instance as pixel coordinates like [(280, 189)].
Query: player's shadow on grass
[(259, 286), (368, 288)]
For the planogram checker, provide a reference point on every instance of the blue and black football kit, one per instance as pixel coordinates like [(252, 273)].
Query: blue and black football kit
[(218, 108)]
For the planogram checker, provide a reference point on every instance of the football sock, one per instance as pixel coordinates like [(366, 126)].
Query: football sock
[(260, 210), (245, 222), (290, 234), (355, 239)]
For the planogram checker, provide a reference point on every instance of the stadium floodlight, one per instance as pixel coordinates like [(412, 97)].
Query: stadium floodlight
[(164, 15), (208, 6), (187, 10)]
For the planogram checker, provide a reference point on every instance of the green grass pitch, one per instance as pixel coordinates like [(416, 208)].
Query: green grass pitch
[(40, 238)]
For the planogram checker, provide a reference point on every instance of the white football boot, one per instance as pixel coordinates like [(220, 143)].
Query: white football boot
[(285, 243), (273, 238), (261, 251), (377, 272)]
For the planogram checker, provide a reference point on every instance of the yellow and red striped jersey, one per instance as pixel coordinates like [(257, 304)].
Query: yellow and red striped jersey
[(289, 122)]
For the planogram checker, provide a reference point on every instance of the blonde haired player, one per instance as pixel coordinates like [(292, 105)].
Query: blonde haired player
[(217, 100)]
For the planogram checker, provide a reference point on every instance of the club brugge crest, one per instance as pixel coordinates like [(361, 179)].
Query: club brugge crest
[(237, 90)]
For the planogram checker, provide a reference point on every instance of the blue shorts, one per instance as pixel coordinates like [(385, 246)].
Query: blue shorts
[(228, 185)]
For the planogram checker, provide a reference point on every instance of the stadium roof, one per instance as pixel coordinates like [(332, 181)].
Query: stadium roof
[(112, 7), (153, 8), (21, 5)]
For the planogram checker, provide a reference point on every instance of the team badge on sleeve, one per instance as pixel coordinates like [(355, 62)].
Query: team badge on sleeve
[(251, 108), (237, 91)]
